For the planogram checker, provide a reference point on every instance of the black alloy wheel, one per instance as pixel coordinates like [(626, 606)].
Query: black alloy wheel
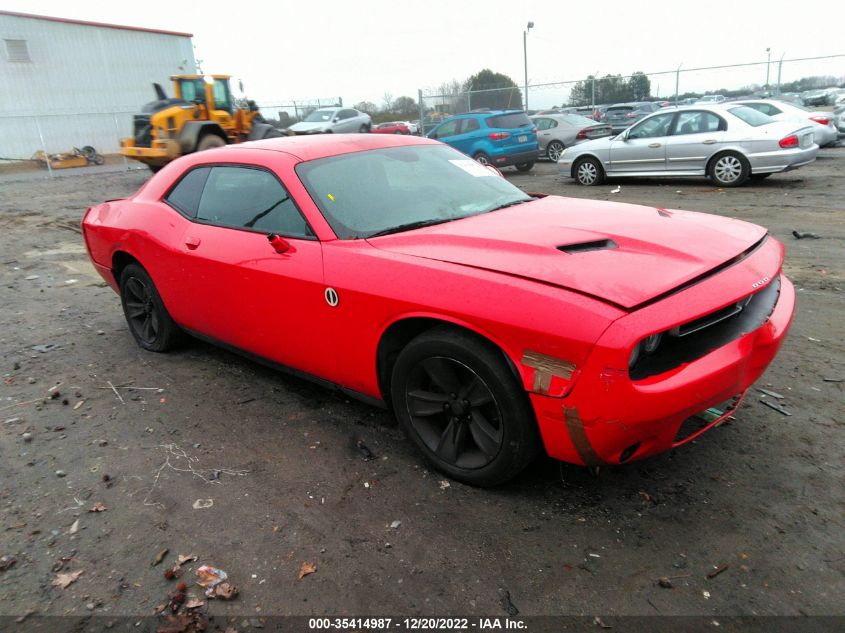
[(463, 406), (148, 319)]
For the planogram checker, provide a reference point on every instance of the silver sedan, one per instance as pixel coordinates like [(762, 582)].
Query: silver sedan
[(729, 143), (556, 132)]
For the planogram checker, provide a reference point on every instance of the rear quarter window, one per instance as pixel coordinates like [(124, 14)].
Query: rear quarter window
[(751, 116), (185, 196), (509, 121)]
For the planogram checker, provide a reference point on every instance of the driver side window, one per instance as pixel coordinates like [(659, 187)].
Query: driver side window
[(449, 128), (653, 127)]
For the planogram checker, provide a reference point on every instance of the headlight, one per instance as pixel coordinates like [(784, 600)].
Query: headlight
[(651, 343)]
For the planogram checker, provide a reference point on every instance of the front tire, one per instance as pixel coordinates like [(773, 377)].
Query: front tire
[(554, 150), (210, 141), (147, 317), (729, 169), (462, 406), (524, 166), (588, 172)]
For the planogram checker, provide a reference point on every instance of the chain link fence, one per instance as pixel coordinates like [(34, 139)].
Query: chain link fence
[(762, 78)]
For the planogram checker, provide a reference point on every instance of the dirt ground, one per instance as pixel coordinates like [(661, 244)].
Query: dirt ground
[(277, 460)]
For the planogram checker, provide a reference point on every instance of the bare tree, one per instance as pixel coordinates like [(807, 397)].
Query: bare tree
[(387, 102)]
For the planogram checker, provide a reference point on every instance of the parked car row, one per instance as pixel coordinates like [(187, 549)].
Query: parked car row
[(730, 143)]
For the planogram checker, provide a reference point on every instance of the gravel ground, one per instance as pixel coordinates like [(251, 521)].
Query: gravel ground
[(276, 459)]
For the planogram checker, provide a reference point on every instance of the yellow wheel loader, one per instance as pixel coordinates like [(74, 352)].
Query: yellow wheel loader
[(201, 115)]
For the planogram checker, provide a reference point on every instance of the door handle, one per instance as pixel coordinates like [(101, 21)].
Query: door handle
[(192, 242), (709, 141), (654, 145)]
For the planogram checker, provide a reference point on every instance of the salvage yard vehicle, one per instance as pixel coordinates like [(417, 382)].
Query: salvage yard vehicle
[(556, 132), (335, 120), (391, 127), (729, 143), (824, 131), (201, 115), (492, 137), (493, 322), (623, 115)]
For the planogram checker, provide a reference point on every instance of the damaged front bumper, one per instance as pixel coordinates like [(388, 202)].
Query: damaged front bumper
[(608, 418)]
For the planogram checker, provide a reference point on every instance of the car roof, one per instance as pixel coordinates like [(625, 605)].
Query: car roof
[(314, 146)]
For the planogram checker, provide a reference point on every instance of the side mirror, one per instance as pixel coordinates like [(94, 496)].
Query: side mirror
[(335, 120), (279, 244)]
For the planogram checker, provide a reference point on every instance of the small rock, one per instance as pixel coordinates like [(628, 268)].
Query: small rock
[(102, 442), (90, 606), (31, 380), (27, 437), (395, 525), (664, 582), (61, 473), (100, 332), (16, 366)]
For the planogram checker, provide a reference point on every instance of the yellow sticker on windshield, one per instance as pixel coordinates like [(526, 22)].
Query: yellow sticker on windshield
[(331, 197)]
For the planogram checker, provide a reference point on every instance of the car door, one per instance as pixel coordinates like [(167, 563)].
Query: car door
[(545, 134), (466, 135), (445, 132), (696, 136), (245, 290), (642, 147), (350, 121)]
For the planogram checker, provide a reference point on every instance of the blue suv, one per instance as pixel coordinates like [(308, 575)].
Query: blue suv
[(497, 137)]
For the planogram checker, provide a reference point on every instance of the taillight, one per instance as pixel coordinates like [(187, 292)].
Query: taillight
[(789, 141), (581, 135), (498, 136), (821, 119)]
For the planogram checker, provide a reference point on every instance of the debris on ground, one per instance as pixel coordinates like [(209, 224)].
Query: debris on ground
[(201, 504), (366, 453), (395, 524), (74, 528), (665, 582), (775, 406), (801, 235), (66, 579), (47, 347), (98, 507), (717, 570), (160, 557), (306, 569), (444, 484), (600, 623), (191, 622), (7, 562), (224, 591), (617, 190), (194, 603), (508, 605), (773, 394)]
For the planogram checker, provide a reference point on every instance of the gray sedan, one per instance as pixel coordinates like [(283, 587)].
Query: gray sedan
[(728, 143), (556, 132)]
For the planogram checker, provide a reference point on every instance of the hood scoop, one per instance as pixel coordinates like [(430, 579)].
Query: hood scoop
[(584, 247)]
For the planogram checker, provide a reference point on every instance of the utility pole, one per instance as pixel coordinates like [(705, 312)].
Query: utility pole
[(780, 68), (768, 63), (525, 59)]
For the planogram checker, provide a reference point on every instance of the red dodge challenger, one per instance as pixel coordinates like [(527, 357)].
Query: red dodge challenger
[(493, 322)]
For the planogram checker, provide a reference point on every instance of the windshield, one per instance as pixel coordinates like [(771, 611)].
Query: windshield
[(365, 193), (574, 120), (751, 116), (319, 116)]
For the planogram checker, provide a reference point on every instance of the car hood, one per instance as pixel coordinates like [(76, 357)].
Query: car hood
[(302, 126), (627, 255)]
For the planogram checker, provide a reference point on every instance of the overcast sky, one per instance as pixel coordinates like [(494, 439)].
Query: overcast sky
[(361, 50)]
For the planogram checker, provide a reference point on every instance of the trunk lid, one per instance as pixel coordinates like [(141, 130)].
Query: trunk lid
[(624, 254)]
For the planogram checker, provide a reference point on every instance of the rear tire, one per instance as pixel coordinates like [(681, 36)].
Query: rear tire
[(364, 129), (210, 141), (554, 150), (148, 320), (728, 169), (482, 158), (484, 435), (155, 168), (525, 166), (588, 172)]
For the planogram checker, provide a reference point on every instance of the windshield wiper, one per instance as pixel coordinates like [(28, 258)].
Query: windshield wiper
[(507, 204), (410, 226)]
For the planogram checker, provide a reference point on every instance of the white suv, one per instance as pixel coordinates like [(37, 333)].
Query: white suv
[(333, 120)]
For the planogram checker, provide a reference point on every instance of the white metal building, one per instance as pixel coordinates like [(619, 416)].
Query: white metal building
[(68, 83)]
